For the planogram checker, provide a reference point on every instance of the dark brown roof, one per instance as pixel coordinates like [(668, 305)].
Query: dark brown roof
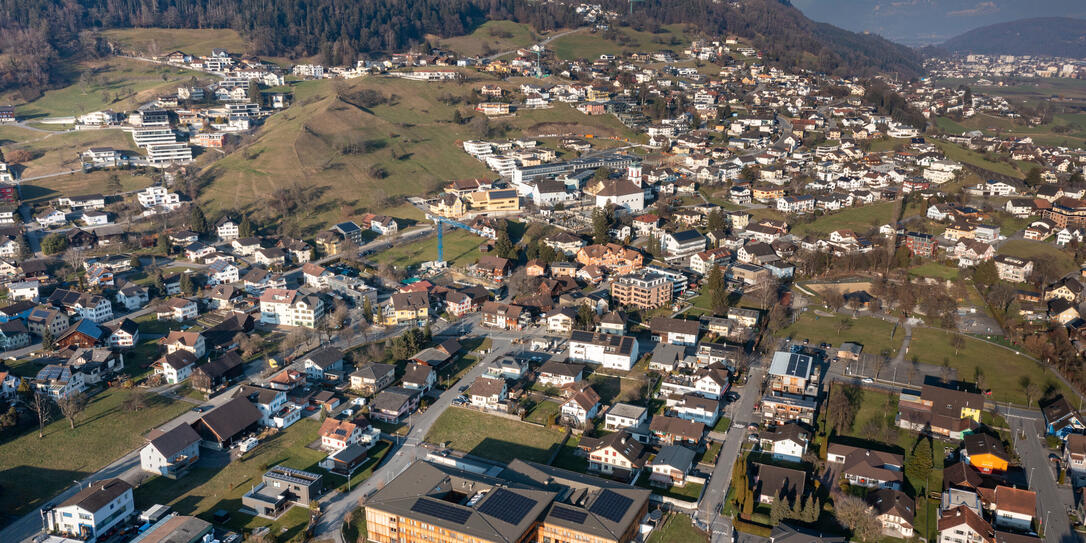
[(231, 418), (98, 494), (677, 427), (678, 326), (961, 475), (175, 440), (777, 482), (963, 515), (893, 502)]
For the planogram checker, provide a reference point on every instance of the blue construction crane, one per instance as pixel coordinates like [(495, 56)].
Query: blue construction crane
[(439, 222)]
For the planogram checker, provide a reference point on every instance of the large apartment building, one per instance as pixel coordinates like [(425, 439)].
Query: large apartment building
[(526, 502), (643, 290), (290, 308)]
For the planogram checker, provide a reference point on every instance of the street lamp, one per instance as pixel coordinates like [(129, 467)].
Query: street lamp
[(1030, 478)]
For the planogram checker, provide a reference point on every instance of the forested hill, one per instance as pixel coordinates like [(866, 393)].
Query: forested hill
[(1046, 36), (786, 36), (34, 34)]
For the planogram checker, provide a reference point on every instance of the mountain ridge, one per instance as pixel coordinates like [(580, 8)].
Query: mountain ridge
[(1041, 36)]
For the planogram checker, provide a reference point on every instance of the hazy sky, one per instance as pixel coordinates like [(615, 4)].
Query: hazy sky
[(922, 22)]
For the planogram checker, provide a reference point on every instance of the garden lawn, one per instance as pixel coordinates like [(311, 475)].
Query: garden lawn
[(689, 493), (858, 219), (874, 404), (50, 464), (1003, 368), (677, 527), (461, 249), (1039, 250), (493, 437), (544, 412), (934, 269), (207, 489), (872, 333)]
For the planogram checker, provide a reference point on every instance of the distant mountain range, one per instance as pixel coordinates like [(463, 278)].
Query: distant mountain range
[(929, 22), (1047, 36)]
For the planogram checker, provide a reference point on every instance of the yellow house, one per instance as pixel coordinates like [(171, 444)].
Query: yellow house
[(449, 205), (407, 307), (495, 200)]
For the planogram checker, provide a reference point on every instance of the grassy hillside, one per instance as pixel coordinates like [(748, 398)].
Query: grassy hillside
[(353, 155), (492, 37), (115, 83), (591, 45), (194, 41)]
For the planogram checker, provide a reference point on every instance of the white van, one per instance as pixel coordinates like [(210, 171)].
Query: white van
[(248, 444)]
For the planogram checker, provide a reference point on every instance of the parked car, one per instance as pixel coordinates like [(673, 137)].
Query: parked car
[(248, 444)]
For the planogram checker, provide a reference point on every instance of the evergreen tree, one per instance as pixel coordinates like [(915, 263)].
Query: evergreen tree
[(198, 221), (601, 225), (504, 246), (245, 229), (47, 340), (1033, 178), (162, 244), (187, 288), (367, 310), (718, 290), (159, 286), (778, 510), (715, 221), (920, 462)]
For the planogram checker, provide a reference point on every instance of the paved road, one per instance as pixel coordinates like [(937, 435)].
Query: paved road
[(544, 43), (405, 451), (1051, 502), (716, 489), (126, 467)]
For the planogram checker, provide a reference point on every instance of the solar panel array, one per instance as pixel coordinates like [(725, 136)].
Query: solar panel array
[(441, 510), (507, 506), (797, 364), (611, 505), (571, 515)]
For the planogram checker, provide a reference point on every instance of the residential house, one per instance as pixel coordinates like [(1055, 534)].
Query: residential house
[(170, 453), (772, 483), (320, 362), (1062, 420), (671, 430), (336, 435), (392, 404), (786, 442), (275, 410), (581, 407), (175, 367), (619, 455), (290, 308), (193, 342), (607, 350), (92, 512), (670, 466), (675, 331), (228, 423), (373, 378), (985, 453), (894, 510), (421, 377), (487, 393), (866, 467), (940, 411)]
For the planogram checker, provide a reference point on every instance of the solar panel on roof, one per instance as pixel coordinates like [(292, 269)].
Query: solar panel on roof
[(507, 506), (611, 505), (797, 364), (571, 515), (441, 510)]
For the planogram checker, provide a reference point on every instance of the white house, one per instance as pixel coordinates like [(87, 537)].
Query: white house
[(227, 230), (788, 442), (156, 196), (169, 453), (607, 350), (24, 290), (175, 367), (275, 410), (222, 272), (92, 511), (581, 407), (289, 308)]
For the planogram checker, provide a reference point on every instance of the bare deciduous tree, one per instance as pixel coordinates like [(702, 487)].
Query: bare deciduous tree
[(42, 406), (71, 406)]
